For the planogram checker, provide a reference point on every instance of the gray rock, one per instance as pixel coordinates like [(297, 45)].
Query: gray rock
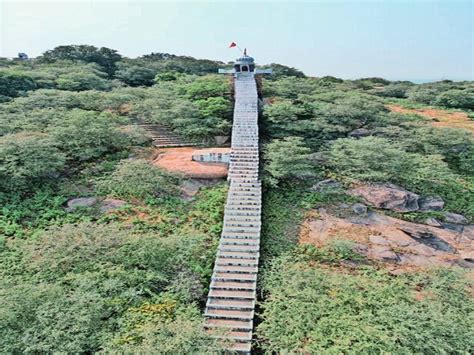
[(110, 204), (359, 132), (79, 202), (221, 140), (378, 239), (388, 196), (359, 209), (383, 253), (468, 232), (454, 227), (433, 203), (455, 218), (324, 185), (433, 222)]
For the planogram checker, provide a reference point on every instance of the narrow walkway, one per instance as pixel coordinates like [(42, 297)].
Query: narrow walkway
[(231, 300), (163, 136)]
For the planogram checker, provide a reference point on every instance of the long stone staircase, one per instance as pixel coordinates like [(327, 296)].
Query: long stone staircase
[(231, 300)]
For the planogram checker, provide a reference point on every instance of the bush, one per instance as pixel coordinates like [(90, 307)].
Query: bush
[(86, 135), (285, 159), (136, 76), (370, 311), (463, 99), (378, 159), (138, 179), (81, 81), (28, 158), (14, 84)]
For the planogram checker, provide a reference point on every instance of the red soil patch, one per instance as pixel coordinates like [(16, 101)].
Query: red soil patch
[(440, 118), (179, 160)]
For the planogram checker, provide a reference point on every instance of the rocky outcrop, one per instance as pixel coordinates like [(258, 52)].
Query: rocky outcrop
[(455, 218), (325, 185), (388, 196), (391, 240), (104, 205), (80, 202), (432, 203)]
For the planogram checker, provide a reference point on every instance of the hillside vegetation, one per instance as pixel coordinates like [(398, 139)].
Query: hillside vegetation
[(133, 278)]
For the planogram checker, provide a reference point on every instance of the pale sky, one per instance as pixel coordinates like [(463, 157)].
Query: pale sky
[(412, 40)]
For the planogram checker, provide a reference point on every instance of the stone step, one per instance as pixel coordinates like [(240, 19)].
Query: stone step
[(238, 248), (239, 241), (221, 303), (234, 285), (241, 347), (243, 211), (242, 336), (245, 192), (233, 276), (229, 314), (248, 223), (242, 294), (232, 324), (236, 262), (237, 255), (255, 184), (240, 231), (236, 269), (233, 221)]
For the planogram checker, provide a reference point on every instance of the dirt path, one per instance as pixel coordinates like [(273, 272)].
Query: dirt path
[(440, 118), (179, 160)]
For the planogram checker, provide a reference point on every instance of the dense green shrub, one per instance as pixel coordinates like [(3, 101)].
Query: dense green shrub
[(397, 90), (319, 309), (13, 83), (138, 179), (86, 135), (80, 81), (28, 158), (286, 159), (463, 99), (136, 76), (68, 269), (377, 159), (104, 57), (206, 87)]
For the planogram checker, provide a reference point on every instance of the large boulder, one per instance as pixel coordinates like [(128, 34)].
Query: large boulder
[(388, 196), (455, 218), (359, 209), (80, 202), (398, 243), (432, 203)]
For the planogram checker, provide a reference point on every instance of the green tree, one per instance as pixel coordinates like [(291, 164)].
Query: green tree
[(80, 81), (286, 159), (14, 84), (28, 158), (105, 57), (86, 135), (138, 179), (136, 76), (463, 99)]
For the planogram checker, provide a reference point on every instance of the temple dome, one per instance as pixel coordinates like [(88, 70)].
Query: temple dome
[(245, 60)]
